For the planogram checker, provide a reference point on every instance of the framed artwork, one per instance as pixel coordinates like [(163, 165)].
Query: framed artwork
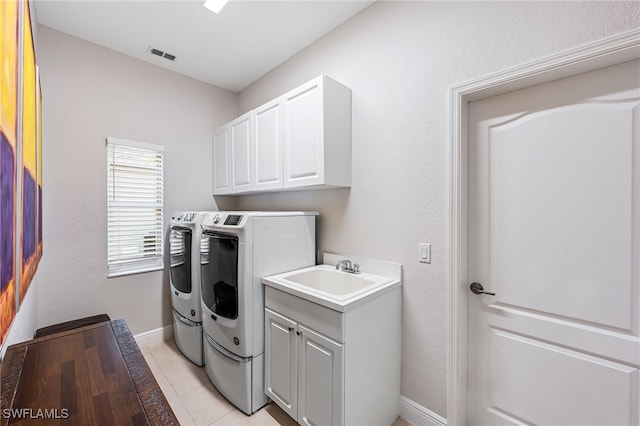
[(39, 165), (8, 161), (20, 159), (29, 211)]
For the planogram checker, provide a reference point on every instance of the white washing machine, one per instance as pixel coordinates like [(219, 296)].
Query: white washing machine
[(184, 249), (238, 249)]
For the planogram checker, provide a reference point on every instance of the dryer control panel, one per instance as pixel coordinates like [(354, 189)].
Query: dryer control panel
[(227, 219)]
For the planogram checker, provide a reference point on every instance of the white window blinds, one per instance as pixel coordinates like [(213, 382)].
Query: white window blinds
[(134, 207)]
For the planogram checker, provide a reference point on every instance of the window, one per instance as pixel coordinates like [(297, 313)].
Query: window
[(134, 207)]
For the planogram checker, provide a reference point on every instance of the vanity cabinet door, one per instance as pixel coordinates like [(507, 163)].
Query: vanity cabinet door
[(320, 379), (221, 160), (281, 361)]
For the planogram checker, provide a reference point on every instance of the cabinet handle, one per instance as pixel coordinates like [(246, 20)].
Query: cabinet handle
[(298, 332), (290, 328)]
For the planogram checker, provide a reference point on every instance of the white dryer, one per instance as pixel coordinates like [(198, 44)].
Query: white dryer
[(184, 250), (238, 249)]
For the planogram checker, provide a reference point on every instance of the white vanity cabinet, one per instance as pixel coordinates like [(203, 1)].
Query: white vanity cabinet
[(301, 139), (325, 367), (304, 371)]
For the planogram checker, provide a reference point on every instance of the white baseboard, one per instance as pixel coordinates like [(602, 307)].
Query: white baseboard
[(418, 415), (153, 337)]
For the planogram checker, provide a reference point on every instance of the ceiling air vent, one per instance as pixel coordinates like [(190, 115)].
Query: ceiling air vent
[(162, 54)]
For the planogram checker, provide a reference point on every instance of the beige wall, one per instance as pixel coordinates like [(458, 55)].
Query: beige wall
[(400, 58), (90, 93)]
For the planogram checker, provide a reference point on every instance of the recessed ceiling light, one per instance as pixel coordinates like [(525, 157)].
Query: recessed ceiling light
[(215, 5)]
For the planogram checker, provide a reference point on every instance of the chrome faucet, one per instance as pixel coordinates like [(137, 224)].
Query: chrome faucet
[(345, 266)]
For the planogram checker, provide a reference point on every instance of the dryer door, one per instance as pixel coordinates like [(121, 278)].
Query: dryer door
[(219, 273), (180, 250)]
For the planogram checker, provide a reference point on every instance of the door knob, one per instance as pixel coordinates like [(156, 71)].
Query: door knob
[(476, 288)]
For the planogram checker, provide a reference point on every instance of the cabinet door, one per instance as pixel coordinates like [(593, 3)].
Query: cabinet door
[(281, 355), (304, 136), (241, 153), (267, 132), (320, 380), (221, 156)]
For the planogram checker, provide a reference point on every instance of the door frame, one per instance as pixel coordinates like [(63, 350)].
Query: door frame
[(612, 50)]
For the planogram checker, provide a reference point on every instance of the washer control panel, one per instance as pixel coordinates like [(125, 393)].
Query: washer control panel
[(183, 216)]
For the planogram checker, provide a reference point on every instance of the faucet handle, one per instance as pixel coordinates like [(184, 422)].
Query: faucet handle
[(344, 263), (346, 266)]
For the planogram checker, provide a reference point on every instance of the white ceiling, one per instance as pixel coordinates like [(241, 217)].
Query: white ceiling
[(230, 50)]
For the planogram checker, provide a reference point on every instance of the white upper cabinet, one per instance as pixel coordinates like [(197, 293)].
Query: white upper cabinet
[(317, 135), (304, 143), (232, 157), (221, 156), (267, 125), (241, 154), (301, 139)]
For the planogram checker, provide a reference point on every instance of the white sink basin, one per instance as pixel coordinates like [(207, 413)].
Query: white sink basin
[(327, 286), (330, 281)]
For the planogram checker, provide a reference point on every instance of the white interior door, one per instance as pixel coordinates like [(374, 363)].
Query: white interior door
[(554, 232)]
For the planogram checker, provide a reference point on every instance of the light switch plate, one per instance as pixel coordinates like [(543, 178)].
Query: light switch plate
[(424, 252)]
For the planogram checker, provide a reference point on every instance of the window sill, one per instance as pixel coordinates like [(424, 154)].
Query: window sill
[(132, 271)]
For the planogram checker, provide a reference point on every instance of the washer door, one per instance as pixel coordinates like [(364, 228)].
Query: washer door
[(180, 251)]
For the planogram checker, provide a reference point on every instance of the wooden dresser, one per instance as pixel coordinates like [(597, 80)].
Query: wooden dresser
[(93, 375)]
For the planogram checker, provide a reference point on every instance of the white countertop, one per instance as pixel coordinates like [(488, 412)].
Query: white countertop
[(342, 299)]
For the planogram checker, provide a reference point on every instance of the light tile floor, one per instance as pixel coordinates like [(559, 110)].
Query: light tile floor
[(195, 401)]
